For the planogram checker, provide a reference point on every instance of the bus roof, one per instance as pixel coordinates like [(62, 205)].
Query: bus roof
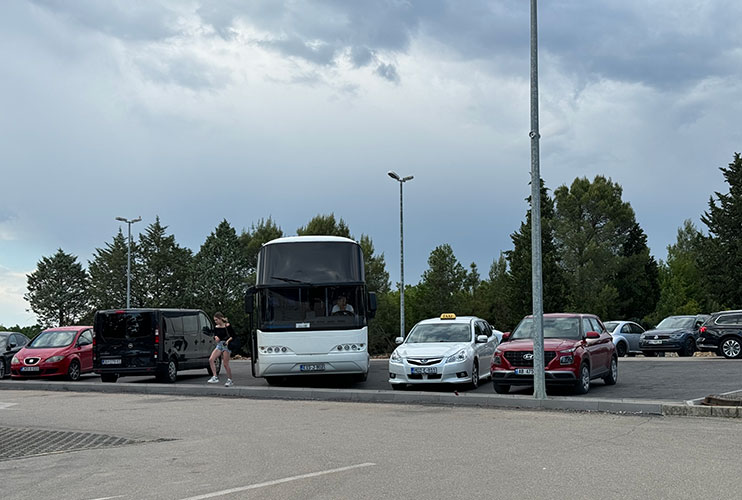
[(311, 239)]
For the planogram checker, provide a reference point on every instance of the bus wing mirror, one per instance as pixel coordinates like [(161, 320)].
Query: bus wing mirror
[(250, 300), (371, 304)]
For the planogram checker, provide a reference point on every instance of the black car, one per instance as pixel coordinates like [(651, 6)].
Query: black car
[(722, 333), (10, 344), (673, 334), (159, 342)]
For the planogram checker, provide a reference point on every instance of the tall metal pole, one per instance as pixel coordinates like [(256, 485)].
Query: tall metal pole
[(128, 270), (401, 262), (539, 383), (401, 181), (128, 258)]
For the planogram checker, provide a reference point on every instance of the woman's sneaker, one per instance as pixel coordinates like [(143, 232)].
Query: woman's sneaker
[(213, 380), (229, 383)]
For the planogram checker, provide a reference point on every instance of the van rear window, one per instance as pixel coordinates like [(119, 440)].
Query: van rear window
[(125, 325)]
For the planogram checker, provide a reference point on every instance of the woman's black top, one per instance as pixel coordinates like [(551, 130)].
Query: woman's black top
[(224, 333)]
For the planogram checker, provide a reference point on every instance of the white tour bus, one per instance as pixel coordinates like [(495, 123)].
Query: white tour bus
[(312, 308)]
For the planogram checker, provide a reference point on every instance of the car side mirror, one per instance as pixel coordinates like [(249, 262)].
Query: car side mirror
[(505, 337), (399, 340), (9, 347), (371, 305), (482, 339), (250, 300), (592, 335)]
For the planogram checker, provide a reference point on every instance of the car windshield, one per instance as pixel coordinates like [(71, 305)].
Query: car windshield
[(2, 342), (676, 322), (611, 326), (55, 338), (439, 332), (554, 328)]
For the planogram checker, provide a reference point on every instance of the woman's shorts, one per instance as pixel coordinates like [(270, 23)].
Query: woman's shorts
[(223, 346)]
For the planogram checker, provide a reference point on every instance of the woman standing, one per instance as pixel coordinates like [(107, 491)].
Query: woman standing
[(224, 333)]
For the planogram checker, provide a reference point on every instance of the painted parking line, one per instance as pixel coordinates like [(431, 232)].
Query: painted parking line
[(278, 481), (3, 406)]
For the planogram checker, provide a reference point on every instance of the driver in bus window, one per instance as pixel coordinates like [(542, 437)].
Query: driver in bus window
[(342, 305)]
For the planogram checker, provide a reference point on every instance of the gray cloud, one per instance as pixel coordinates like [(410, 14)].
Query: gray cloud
[(388, 72)]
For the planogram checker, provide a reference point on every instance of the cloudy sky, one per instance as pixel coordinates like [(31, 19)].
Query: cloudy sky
[(198, 111)]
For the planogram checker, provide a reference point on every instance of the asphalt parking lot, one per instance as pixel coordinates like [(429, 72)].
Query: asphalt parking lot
[(669, 379)]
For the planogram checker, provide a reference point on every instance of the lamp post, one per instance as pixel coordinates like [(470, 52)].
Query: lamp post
[(128, 259), (401, 181), (539, 383)]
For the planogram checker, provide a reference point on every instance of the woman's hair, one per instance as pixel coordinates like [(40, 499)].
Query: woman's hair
[(221, 317)]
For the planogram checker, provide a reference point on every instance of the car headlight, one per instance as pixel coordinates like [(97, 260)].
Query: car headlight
[(15, 360), (54, 359), (459, 356), (395, 358), (566, 360), (676, 335)]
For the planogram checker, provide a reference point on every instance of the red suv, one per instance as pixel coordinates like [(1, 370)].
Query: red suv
[(577, 349)]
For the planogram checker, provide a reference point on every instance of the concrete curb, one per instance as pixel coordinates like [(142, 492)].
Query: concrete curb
[(687, 410), (629, 406)]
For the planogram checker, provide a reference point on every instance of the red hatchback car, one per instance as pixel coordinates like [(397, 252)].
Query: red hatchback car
[(577, 349), (65, 351)]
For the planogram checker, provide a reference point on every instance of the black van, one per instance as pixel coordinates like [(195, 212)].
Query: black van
[(157, 342)]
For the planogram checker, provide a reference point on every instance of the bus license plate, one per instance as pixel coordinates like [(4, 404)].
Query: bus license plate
[(424, 370), (312, 367), (524, 371), (30, 369), (110, 361)]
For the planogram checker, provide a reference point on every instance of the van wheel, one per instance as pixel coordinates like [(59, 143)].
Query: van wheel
[(109, 377), (73, 372), (217, 365), (171, 375)]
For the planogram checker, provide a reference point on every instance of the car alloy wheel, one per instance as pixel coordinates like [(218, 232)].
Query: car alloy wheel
[(583, 384), (731, 348), (2, 368), (621, 350), (73, 372), (474, 375)]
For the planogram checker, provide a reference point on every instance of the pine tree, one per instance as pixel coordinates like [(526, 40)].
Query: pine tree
[(108, 274), (57, 290), (325, 225), (722, 250), (164, 270), (442, 283)]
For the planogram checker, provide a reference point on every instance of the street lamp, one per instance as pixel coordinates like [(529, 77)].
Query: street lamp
[(128, 259), (401, 181)]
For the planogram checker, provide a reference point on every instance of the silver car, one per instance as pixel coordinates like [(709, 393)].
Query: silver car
[(445, 350), (625, 336)]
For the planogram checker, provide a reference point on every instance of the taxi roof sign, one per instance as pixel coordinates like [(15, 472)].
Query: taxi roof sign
[(448, 316)]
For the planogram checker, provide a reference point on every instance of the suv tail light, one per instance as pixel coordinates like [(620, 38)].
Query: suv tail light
[(703, 329)]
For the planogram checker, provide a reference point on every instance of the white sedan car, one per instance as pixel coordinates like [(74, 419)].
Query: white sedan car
[(445, 350)]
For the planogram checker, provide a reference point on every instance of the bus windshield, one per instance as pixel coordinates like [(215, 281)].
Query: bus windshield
[(310, 263), (297, 308)]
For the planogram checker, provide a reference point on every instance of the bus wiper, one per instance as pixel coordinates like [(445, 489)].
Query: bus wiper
[(290, 280)]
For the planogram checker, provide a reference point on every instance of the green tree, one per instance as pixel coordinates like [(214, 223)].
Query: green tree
[(442, 284), (220, 274), (592, 224), (637, 279), (325, 225), (492, 299), (108, 274), (377, 277), (681, 288), (164, 269), (722, 250), (252, 240), (520, 264), (57, 290)]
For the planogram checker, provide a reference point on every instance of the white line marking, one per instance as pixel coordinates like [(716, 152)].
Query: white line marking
[(108, 498), (277, 481), (6, 405)]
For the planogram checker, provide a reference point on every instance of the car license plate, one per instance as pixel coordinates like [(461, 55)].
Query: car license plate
[(424, 370), (29, 368), (110, 361), (312, 367), (524, 371), (655, 341)]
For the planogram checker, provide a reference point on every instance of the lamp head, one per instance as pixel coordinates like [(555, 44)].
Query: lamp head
[(393, 175), (122, 219)]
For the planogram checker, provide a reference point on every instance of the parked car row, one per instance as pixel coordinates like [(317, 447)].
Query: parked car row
[(578, 348), (122, 342)]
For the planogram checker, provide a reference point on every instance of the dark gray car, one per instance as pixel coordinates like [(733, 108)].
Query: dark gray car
[(673, 334), (10, 344)]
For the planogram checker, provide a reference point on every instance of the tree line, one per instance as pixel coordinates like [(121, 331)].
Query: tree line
[(594, 253)]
